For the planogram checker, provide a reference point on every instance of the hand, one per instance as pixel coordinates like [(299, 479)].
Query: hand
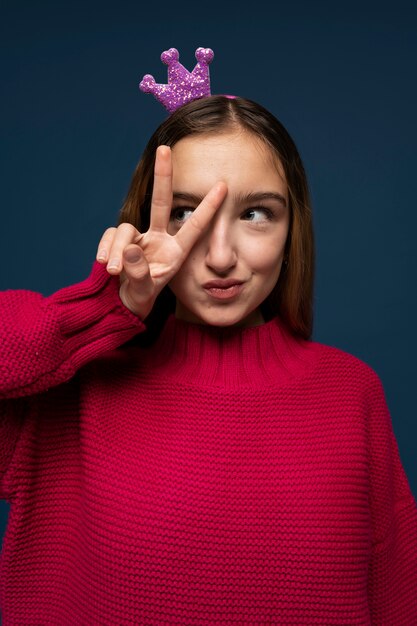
[(146, 262)]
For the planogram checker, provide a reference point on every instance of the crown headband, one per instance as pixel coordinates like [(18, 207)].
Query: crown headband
[(183, 86)]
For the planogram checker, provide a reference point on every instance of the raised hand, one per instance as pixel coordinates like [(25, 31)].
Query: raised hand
[(146, 262)]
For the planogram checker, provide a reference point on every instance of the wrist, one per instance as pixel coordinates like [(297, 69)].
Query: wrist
[(140, 308)]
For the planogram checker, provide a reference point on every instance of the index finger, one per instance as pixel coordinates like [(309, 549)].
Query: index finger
[(195, 225), (162, 189)]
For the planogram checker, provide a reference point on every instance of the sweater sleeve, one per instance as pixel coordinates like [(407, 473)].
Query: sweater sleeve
[(392, 582), (44, 341)]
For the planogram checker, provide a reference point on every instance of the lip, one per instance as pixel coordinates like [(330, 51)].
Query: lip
[(222, 283), (225, 289)]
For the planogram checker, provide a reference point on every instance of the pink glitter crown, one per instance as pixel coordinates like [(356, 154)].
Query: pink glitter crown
[(183, 86)]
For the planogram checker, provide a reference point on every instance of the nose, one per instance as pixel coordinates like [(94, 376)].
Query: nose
[(221, 256)]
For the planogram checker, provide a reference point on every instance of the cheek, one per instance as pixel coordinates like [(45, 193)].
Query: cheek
[(266, 259), (183, 277)]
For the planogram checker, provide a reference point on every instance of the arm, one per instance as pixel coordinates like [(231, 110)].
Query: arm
[(392, 583), (44, 341)]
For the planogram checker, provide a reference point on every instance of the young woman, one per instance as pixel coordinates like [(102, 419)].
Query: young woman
[(175, 448)]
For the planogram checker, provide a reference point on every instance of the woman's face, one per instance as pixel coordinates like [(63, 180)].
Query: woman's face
[(235, 265)]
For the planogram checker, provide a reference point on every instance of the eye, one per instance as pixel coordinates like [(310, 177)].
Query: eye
[(257, 214), (181, 214)]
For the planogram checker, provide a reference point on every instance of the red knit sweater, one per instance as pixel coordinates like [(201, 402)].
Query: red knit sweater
[(219, 477)]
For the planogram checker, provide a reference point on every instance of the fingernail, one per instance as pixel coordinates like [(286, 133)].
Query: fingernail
[(113, 264), (101, 255), (132, 256)]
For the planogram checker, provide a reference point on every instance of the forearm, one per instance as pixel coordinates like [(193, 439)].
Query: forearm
[(44, 341)]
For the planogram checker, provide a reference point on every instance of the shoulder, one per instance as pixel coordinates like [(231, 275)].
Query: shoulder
[(344, 368)]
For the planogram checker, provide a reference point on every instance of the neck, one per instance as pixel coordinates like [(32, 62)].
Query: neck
[(190, 353)]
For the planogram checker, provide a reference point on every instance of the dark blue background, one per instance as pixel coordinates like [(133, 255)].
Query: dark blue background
[(342, 79)]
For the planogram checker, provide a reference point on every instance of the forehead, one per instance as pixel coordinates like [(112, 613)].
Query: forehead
[(238, 157)]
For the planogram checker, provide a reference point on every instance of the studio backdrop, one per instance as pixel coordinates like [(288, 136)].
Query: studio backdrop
[(341, 78)]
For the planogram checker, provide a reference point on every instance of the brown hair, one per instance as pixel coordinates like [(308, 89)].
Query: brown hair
[(292, 296)]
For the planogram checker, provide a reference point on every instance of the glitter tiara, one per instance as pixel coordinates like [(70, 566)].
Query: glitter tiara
[(183, 86)]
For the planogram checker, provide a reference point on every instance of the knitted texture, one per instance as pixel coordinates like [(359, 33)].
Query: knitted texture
[(221, 476)]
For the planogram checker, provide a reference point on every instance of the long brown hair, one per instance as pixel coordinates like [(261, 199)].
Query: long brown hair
[(292, 296)]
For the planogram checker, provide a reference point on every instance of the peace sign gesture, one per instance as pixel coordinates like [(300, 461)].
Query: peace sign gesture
[(146, 262)]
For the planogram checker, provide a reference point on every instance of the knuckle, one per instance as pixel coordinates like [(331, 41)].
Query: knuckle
[(195, 222), (138, 271), (158, 202), (108, 234), (126, 229)]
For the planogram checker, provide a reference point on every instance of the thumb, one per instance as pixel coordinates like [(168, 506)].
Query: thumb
[(135, 264), (137, 287)]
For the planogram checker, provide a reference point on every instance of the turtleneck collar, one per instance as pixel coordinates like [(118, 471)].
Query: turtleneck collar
[(232, 357)]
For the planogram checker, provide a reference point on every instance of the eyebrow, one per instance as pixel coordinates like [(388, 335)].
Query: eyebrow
[(240, 198)]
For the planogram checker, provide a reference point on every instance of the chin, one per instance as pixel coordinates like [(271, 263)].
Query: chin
[(253, 318)]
